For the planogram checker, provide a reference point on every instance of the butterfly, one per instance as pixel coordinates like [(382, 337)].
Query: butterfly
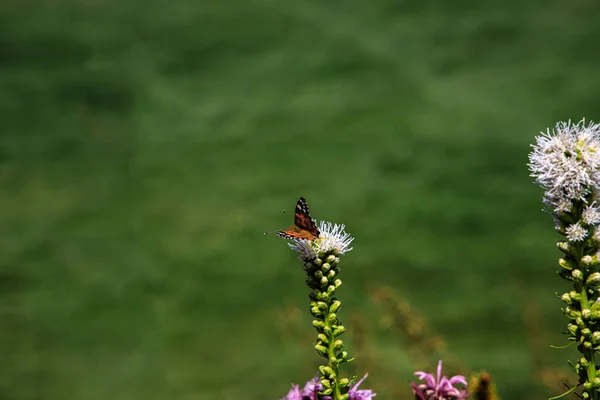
[(305, 227)]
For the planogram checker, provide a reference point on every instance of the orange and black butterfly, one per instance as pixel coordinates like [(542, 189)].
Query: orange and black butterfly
[(305, 227)]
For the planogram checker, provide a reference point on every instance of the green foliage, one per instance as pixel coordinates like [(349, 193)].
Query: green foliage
[(147, 146)]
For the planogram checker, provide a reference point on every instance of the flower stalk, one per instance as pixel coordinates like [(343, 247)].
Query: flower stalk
[(321, 264), (566, 164)]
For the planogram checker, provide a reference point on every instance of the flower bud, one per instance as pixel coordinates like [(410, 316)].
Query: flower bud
[(596, 338), (572, 328), (331, 290), (586, 333), (584, 363), (587, 260), (338, 330), (326, 383), (317, 261), (566, 298), (331, 275), (325, 370), (344, 382), (327, 330), (319, 325), (593, 279), (565, 247), (575, 296), (331, 318), (315, 312), (327, 391), (587, 345), (338, 283), (321, 337), (318, 274), (326, 267), (335, 306), (337, 345), (577, 275), (322, 350), (331, 259), (324, 281), (566, 263), (586, 313)]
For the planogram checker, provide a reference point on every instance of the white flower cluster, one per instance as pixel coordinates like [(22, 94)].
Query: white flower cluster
[(332, 239), (566, 163)]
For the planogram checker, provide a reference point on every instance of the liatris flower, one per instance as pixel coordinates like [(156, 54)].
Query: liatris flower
[(309, 392), (312, 388), (319, 248), (440, 387), (566, 164)]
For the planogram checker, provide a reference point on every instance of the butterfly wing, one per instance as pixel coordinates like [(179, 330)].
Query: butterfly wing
[(305, 227)]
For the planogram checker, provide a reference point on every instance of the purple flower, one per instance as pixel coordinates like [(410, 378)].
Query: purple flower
[(364, 394), (312, 388), (309, 392), (440, 388)]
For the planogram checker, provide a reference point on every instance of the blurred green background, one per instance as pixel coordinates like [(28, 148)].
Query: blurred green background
[(147, 146)]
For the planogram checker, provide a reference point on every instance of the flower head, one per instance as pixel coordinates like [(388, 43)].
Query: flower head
[(439, 387), (332, 239), (309, 392), (566, 162), (363, 394)]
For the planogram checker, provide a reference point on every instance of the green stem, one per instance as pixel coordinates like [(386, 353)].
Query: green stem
[(334, 365)]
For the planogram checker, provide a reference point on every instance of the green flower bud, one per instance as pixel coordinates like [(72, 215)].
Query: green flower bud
[(579, 322), (567, 264), (316, 312), (317, 261), (322, 305), (586, 313), (596, 338), (586, 332), (326, 383), (319, 325), (338, 345), (596, 382), (584, 363), (318, 274), (595, 315), (331, 275), (338, 330), (577, 275), (325, 370), (322, 350), (566, 298), (321, 337), (593, 279), (331, 259), (330, 290), (565, 247), (587, 345), (327, 392), (324, 296), (327, 330), (325, 267), (343, 356), (587, 386), (571, 312), (575, 296), (324, 281), (572, 328), (335, 306), (344, 382), (345, 396), (331, 318), (337, 283)]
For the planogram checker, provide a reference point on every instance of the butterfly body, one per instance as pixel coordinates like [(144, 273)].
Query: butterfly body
[(305, 227)]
